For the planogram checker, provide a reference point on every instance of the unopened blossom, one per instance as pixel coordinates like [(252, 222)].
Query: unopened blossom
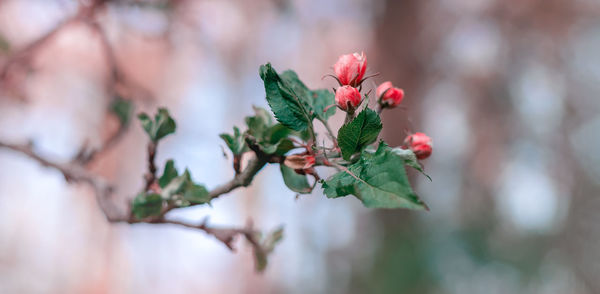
[(350, 69), (388, 95), (347, 98), (420, 144)]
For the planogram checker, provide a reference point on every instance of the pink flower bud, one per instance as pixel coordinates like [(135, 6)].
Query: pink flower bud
[(347, 98), (388, 96), (300, 162), (420, 144), (350, 69)]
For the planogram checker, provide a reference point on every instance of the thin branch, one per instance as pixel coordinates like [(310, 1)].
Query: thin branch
[(151, 174), (225, 235), (72, 173)]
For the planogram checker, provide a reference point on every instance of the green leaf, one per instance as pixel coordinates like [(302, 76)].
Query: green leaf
[(162, 125), (323, 98), (377, 179), (360, 132), (144, 205), (410, 159), (147, 123), (235, 142), (196, 194), (259, 123), (289, 107), (177, 185), (169, 173), (122, 108), (271, 137), (180, 188), (266, 246), (279, 148), (296, 182)]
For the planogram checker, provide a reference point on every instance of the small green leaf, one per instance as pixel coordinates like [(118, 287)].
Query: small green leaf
[(360, 132), (169, 174), (196, 194), (146, 123), (266, 246), (235, 142), (176, 186), (122, 108), (296, 182), (377, 179), (162, 125), (271, 137), (289, 107), (144, 205)]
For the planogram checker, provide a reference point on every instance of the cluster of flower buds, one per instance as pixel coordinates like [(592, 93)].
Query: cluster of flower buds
[(350, 72), (420, 144)]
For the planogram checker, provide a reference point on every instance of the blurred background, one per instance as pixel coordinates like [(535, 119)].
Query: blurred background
[(507, 89)]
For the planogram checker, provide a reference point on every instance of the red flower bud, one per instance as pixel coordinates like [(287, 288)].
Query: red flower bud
[(347, 98), (350, 69), (420, 144), (388, 96)]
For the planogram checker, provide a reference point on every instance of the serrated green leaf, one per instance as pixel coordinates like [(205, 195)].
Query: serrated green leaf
[(162, 125), (122, 108), (378, 179), (296, 182), (169, 173), (321, 99), (358, 133), (289, 108), (410, 159), (144, 205)]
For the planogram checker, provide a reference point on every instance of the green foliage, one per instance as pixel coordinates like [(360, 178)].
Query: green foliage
[(266, 246), (271, 137), (410, 159), (377, 179), (321, 99), (235, 142), (162, 125), (360, 132), (169, 173), (287, 106), (294, 104), (296, 182), (145, 205), (122, 108), (181, 189)]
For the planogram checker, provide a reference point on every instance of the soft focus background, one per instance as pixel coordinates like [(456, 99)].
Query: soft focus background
[(509, 91)]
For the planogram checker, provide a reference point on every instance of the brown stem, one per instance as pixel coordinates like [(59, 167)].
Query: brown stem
[(151, 174)]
